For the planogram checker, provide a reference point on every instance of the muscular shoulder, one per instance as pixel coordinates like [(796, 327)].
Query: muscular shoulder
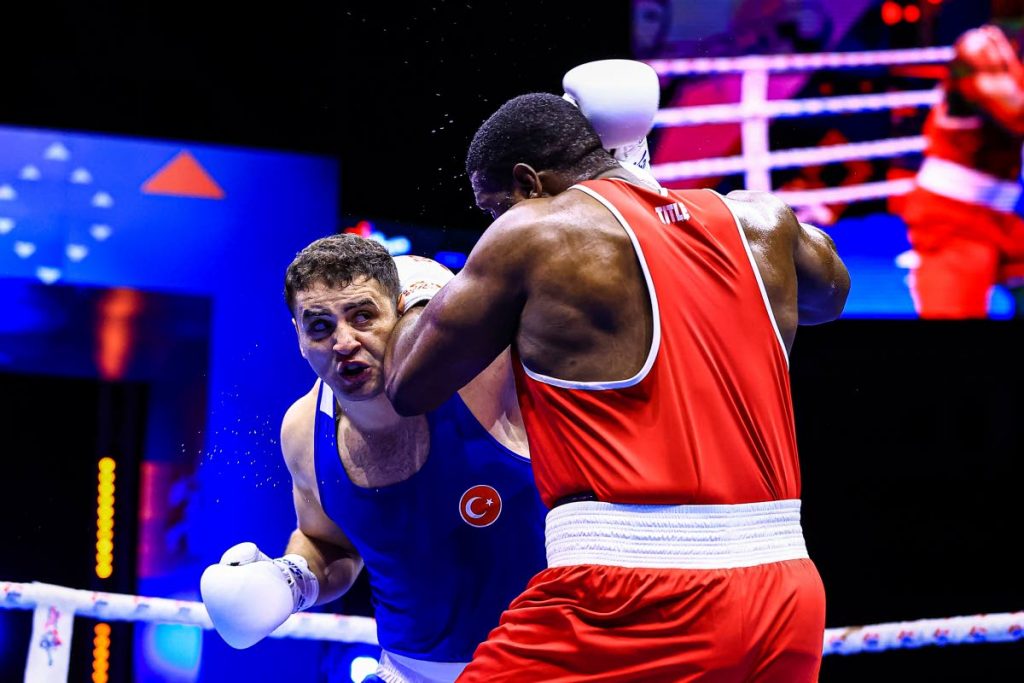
[(520, 232), (762, 213), (297, 434), (550, 228)]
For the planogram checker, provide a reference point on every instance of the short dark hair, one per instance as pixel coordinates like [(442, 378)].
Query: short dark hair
[(337, 261), (539, 129)]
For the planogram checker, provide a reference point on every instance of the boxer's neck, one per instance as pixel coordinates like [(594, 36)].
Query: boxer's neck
[(369, 416), (623, 174)]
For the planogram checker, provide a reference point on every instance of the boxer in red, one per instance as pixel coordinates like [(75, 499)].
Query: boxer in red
[(960, 217), (651, 331)]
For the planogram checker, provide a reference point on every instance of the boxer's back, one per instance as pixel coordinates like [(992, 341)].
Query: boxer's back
[(588, 316), (652, 366)]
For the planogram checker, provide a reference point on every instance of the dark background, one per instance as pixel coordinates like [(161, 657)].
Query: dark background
[(911, 432), (911, 439), (393, 90)]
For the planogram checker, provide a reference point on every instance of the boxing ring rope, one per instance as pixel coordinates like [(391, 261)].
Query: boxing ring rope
[(979, 628), (800, 62), (755, 111), (789, 158), (55, 609), (809, 106), (120, 607), (843, 195)]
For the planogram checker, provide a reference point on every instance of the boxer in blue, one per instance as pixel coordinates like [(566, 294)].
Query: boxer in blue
[(441, 508)]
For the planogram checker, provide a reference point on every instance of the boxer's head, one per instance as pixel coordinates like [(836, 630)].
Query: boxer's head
[(534, 145), (342, 292)]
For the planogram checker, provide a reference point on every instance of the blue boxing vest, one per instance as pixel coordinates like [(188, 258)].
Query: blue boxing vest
[(448, 548)]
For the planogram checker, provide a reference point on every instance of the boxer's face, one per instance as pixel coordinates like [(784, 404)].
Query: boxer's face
[(525, 183), (343, 332), (494, 201)]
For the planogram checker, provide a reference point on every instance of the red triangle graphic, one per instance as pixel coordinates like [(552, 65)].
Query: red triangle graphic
[(182, 176)]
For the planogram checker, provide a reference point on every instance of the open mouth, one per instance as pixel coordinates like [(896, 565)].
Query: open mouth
[(353, 370)]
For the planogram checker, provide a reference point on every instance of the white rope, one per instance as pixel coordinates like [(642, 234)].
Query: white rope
[(846, 194), (809, 156), (788, 158), (980, 628), (119, 607), (800, 62), (812, 106), (698, 168)]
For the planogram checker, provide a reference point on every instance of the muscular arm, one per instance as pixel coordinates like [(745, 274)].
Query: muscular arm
[(776, 237), (823, 282), (465, 326), (330, 554)]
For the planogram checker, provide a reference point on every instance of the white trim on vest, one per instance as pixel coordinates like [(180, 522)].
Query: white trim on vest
[(757, 275)]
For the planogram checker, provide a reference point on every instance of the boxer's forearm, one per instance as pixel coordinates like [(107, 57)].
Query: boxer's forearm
[(460, 332), (422, 362), (408, 384), (467, 324), (335, 568)]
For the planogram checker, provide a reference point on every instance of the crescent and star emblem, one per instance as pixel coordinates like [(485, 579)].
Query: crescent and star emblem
[(480, 505)]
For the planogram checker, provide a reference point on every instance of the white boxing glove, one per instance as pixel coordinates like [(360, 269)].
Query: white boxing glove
[(248, 595), (620, 99), (420, 278)]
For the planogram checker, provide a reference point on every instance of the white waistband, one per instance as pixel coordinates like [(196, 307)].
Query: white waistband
[(674, 536), (949, 179), (394, 668)]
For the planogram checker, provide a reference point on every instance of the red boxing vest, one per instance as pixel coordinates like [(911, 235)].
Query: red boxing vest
[(709, 418)]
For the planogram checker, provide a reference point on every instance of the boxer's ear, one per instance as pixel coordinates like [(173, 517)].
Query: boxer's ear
[(527, 181)]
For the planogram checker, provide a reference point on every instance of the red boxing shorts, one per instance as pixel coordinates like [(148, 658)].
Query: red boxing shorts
[(753, 621), (964, 249)]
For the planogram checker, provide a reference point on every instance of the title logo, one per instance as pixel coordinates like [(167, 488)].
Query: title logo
[(672, 213)]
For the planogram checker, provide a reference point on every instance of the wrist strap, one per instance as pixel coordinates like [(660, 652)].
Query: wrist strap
[(303, 582)]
